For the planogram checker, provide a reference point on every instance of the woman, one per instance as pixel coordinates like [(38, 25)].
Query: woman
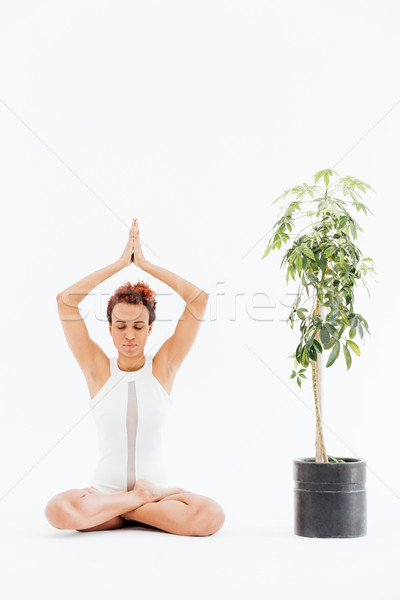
[(130, 402)]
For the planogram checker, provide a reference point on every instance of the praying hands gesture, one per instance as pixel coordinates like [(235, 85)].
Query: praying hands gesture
[(133, 249)]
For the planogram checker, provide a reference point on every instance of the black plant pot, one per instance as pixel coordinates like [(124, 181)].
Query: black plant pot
[(330, 499)]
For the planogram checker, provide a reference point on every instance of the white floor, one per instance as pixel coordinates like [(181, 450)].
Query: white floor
[(255, 555)]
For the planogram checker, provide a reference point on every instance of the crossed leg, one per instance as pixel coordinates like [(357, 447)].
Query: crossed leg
[(183, 513), (113, 523)]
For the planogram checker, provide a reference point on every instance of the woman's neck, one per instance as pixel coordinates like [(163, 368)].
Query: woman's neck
[(131, 365)]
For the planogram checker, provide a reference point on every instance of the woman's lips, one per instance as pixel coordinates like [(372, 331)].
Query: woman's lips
[(130, 345)]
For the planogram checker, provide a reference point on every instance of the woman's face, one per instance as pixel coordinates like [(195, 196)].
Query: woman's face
[(130, 328)]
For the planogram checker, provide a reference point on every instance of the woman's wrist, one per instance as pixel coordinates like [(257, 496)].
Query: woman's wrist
[(119, 263), (144, 265)]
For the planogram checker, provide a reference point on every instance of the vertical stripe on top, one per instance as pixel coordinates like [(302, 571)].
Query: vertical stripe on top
[(131, 430)]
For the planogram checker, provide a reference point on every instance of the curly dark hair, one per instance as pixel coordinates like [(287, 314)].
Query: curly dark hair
[(138, 293)]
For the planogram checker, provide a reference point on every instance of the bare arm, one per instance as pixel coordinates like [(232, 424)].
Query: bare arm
[(72, 296), (174, 350), (75, 293), (188, 291), (88, 354)]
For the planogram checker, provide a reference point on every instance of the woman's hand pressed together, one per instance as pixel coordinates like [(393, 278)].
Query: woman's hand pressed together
[(133, 253)]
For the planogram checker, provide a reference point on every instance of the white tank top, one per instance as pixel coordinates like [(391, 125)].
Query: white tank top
[(130, 411)]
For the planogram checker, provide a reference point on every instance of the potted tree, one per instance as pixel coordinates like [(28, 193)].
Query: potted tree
[(330, 494)]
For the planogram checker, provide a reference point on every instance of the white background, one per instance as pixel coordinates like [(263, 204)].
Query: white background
[(193, 117)]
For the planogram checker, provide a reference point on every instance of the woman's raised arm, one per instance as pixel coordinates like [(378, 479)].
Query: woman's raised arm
[(88, 354), (73, 295), (175, 348)]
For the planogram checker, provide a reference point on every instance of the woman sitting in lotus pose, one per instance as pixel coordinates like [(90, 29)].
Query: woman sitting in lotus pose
[(130, 400)]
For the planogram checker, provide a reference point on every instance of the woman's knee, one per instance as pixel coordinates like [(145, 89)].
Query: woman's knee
[(60, 511), (212, 522), (208, 518)]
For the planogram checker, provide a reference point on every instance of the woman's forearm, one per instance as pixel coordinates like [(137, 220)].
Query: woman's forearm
[(185, 289), (73, 295)]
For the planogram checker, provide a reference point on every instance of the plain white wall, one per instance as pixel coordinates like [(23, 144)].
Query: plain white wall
[(193, 117)]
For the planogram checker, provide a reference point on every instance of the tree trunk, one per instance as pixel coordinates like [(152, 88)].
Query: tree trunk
[(317, 367)]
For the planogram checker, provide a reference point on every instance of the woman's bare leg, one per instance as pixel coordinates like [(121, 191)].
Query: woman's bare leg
[(114, 523), (84, 509), (182, 514)]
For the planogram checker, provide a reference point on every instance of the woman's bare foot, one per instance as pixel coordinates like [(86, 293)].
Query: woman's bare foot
[(150, 492)]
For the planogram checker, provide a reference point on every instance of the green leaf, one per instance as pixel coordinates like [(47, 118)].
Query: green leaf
[(332, 357), (330, 344), (354, 347), (345, 318), (299, 263), (342, 328), (330, 328), (352, 332), (329, 251), (317, 346), (324, 335), (314, 280), (309, 253), (323, 262), (304, 357), (352, 194), (313, 353), (298, 382), (347, 356), (267, 251)]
